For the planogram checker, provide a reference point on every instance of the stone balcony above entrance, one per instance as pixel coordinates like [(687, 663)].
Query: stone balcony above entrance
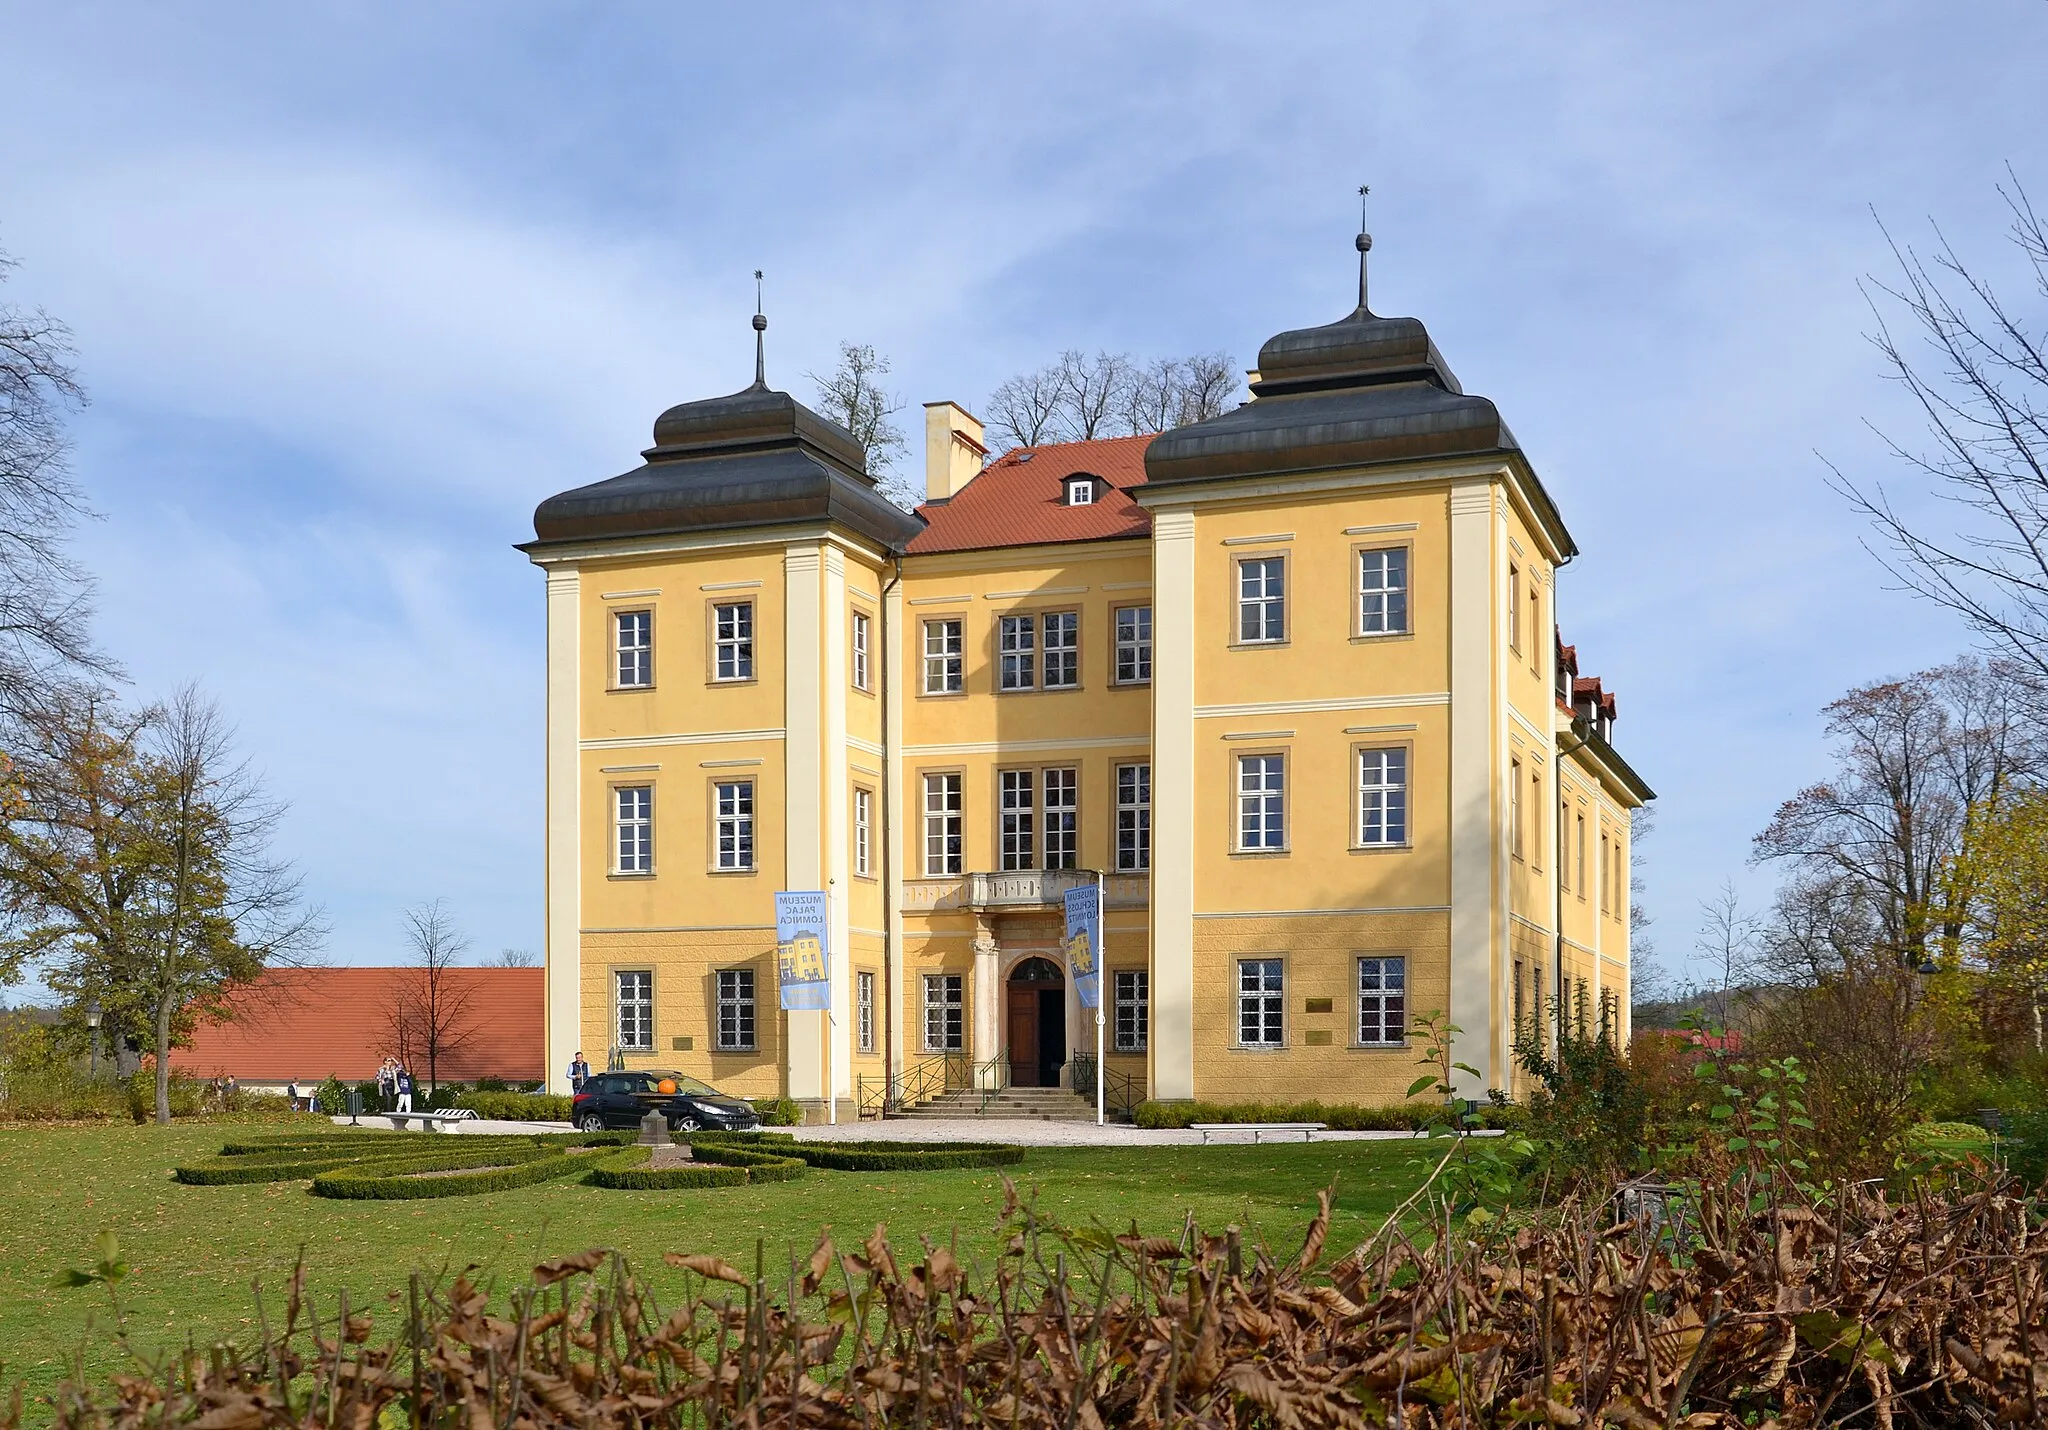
[(1025, 889)]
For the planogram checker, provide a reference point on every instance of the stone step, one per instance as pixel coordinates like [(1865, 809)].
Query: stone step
[(1035, 1104)]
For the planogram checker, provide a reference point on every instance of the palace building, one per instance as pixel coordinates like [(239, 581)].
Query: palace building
[(1287, 680)]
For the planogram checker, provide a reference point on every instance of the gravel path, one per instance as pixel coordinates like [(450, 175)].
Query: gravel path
[(1019, 1131)]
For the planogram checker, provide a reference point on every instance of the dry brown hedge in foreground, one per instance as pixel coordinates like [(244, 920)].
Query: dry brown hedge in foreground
[(1928, 1314)]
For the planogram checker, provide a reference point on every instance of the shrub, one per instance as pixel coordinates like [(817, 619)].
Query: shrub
[(516, 1106), (490, 1084), (187, 1094), (779, 1112), (42, 1080), (2026, 1147), (628, 1171), (1590, 1113), (333, 1097)]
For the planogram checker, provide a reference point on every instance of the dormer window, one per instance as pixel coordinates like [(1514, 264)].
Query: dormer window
[(1082, 490)]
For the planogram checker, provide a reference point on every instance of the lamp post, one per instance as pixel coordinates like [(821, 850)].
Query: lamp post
[(92, 1034)]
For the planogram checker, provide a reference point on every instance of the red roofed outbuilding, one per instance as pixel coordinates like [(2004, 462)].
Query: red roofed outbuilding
[(304, 1024)]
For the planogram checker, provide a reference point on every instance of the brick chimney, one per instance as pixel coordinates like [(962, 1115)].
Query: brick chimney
[(953, 449)]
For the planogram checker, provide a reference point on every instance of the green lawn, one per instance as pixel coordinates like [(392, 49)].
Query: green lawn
[(195, 1251)]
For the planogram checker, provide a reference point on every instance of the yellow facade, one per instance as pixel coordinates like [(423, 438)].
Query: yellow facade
[(1353, 819)]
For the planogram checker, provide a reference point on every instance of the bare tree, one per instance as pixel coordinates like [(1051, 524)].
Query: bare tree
[(854, 397), (1913, 759), (1976, 366), (44, 597), (1025, 410), (1728, 941), (428, 1009), (1092, 390), (1207, 383), (1079, 397), (137, 860), (513, 958)]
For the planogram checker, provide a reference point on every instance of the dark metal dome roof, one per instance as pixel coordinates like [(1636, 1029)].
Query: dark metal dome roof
[(1356, 392), (755, 458)]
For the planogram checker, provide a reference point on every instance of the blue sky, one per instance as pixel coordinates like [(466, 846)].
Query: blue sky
[(355, 287)]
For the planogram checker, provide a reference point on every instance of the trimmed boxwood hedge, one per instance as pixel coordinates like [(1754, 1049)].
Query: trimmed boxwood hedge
[(1337, 1116), (242, 1171), (291, 1159), (863, 1156), (767, 1159), (497, 1170), (628, 1171), (515, 1106)]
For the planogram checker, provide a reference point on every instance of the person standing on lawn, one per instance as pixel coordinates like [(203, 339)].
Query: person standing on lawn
[(579, 1073), (291, 1095), (403, 1081), (387, 1085)]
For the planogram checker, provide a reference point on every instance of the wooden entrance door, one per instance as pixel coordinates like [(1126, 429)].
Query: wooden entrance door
[(1022, 1027)]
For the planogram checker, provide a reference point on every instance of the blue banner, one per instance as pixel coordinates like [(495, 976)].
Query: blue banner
[(803, 949), (1084, 943)]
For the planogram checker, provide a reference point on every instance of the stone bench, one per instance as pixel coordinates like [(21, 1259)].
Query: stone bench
[(431, 1121), (1308, 1130)]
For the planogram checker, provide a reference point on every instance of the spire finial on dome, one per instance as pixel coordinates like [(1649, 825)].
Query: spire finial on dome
[(1364, 244), (760, 338)]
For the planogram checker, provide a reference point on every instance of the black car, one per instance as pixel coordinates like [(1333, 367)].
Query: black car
[(621, 1099)]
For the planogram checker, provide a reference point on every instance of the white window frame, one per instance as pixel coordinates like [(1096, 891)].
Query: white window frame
[(1134, 818), (858, 640), (944, 665), (1514, 807), (944, 815), (734, 1023), (633, 645), (1080, 491), (633, 1009), (1263, 602), (1514, 608), (732, 641), (1382, 1011), (633, 829), (1262, 1002), (1016, 654), (945, 1013), (1261, 796), (1133, 645), (1131, 991), (732, 825), (1060, 806), (863, 1011), (863, 831), (1059, 645), (1382, 802), (1016, 820), (1383, 591)]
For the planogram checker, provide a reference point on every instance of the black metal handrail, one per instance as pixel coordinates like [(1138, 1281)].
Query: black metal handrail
[(992, 1077), (1121, 1092), (919, 1082)]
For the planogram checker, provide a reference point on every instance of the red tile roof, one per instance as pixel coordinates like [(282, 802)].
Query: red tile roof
[(1019, 499), (307, 1023), (1587, 687)]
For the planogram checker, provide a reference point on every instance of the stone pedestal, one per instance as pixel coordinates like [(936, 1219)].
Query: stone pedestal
[(654, 1130)]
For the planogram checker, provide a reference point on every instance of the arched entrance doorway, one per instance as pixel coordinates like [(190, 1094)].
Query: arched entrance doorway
[(1036, 1022)]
